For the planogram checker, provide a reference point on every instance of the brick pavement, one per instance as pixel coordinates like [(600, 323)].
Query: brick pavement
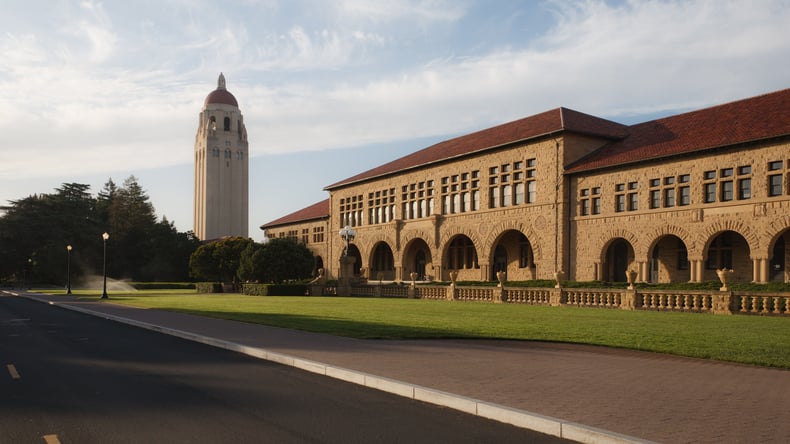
[(649, 396)]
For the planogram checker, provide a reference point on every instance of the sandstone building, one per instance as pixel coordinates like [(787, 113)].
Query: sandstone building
[(673, 199), (221, 206)]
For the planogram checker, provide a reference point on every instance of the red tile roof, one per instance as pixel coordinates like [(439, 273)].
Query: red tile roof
[(748, 120), (316, 211), (542, 124)]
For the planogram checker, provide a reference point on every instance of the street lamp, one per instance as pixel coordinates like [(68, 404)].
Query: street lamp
[(105, 236), (347, 234), (68, 269)]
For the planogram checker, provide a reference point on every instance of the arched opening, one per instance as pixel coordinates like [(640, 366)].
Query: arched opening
[(618, 256), (417, 259), (500, 260), (318, 264), (382, 265), (513, 254), (227, 124), (461, 256), (669, 261), (780, 257), (728, 250)]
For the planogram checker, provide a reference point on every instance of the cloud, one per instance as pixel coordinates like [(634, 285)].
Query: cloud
[(355, 77)]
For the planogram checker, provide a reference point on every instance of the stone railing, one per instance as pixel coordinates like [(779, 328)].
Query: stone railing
[(534, 296), (763, 304), (586, 297), (698, 301), (433, 292), (693, 301)]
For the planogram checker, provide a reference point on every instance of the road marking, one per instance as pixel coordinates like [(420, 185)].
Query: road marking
[(12, 371), (51, 439)]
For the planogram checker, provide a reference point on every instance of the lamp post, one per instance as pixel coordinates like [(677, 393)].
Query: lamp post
[(105, 236), (68, 269), (347, 234)]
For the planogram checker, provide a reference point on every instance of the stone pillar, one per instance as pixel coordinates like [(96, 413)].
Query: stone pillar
[(597, 272), (755, 270), (346, 275), (629, 300), (555, 297), (764, 270), (722, 303)]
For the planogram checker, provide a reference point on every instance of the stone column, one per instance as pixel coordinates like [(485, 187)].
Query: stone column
[(765, 268), (755, 270)]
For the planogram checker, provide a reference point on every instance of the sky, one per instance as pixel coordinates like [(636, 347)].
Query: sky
[(97, 90)]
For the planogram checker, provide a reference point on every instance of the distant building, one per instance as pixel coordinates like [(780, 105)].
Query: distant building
[(672, 199), (221, 206)]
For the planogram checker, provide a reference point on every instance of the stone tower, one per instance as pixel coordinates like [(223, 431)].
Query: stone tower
[(221, 204)]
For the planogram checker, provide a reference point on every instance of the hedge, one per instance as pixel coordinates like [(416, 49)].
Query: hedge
[(163, 285), (274, 289), (208, 287)]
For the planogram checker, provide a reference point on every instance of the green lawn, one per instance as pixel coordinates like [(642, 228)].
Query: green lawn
[(746, 339)]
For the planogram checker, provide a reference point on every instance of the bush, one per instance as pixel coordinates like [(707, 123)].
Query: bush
[(274, 289), (208, 287)]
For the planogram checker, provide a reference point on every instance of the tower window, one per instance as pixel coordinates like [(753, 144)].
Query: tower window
[(227, 123)]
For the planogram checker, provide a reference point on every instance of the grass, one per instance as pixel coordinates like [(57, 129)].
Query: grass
[(753, 340)]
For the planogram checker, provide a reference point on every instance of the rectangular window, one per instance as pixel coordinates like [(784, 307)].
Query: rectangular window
[(726, 191), (655, 199), (744, 189), (519, 193), (493, 200), (669, 197), (619, 203), (596, 205), (685, 196), (775, 185), (775, 165), (507, 198), (708, 175), (726, 172), (710, 192), (531, 193), (633, 202), (585, 207)]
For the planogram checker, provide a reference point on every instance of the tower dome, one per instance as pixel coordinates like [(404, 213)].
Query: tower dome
[(221, 95)]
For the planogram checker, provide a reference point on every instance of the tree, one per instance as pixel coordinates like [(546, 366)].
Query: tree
[(284, 259), (251, 263), (219, 259)]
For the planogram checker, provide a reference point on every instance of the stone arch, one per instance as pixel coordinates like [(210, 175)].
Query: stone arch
[(606, 240), (381, 260), (468, 262), (778, 251), (666, 230), (497, 231), (711, 231), (418, 256)]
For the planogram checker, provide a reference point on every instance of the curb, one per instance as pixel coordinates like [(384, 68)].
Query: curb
[(508, 415)]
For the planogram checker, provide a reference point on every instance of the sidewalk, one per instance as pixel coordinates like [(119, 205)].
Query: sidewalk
[(583, 393)]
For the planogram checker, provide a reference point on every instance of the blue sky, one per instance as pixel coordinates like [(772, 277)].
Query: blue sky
[(93, 90)]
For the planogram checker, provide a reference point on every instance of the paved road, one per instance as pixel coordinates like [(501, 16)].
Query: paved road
[(72, 378)]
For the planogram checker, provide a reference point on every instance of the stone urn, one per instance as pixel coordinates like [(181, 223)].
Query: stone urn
[(413, 277), (501, 276), (630, 275), (559, 275), (453, 276), (723, 273)]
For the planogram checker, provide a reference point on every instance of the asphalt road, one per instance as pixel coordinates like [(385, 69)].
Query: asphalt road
[(66, 377)]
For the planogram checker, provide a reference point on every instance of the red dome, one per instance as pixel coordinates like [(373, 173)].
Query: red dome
[(221, 96)]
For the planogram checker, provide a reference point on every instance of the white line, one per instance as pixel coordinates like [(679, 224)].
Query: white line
[(13, 372)]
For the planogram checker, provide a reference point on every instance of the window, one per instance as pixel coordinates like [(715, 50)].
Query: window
[(721, 187), (619, 203), (685, 195), (511, 184), (655, 198), (381, 206), (227, 124), (775, 185), (744, 189), (351, 211), (620, 198), (461, 196), (590, 201), (669, 197)]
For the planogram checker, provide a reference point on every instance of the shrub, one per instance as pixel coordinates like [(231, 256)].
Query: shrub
[(274, 289), (163, 285), (208, 287)]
